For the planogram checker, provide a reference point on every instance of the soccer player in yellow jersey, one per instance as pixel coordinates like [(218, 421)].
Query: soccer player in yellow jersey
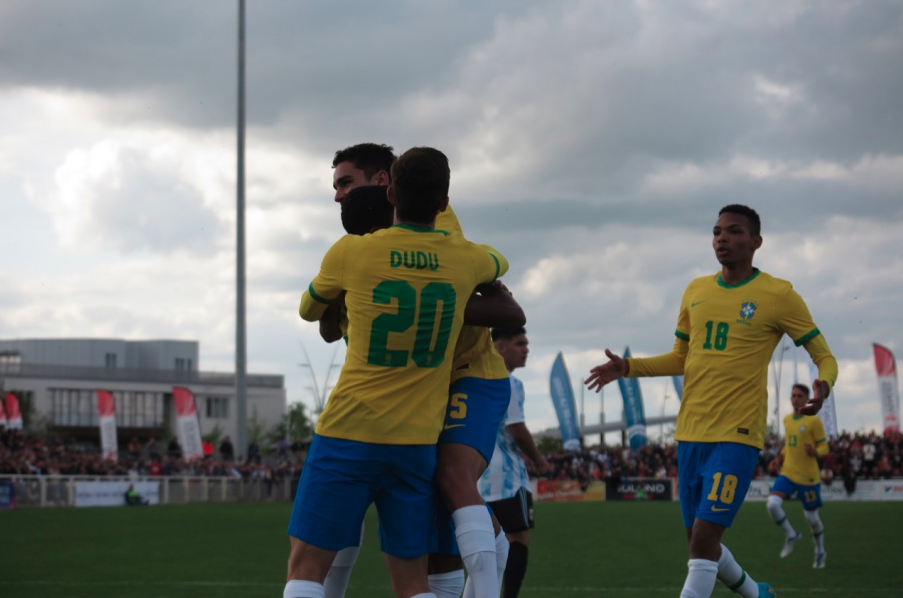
[(804, 442), (405, 290), (478, 399), (727, 328)]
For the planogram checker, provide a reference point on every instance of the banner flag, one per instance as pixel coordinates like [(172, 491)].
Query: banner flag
[(886, 366), (828, 413), (188, 426), (13, 412), (565, 406), (106, 419), (635, 418), (2, 415), (679, 386)]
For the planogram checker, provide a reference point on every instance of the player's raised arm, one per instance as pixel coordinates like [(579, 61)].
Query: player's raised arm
[(601, 375)]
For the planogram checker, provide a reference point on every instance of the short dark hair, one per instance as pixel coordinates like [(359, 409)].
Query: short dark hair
[(369, 157), (420, 179), (755, 223), (499, 334), (366, 208), (803, 388)]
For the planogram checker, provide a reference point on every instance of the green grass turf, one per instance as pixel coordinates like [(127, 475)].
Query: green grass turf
[(578, 549)]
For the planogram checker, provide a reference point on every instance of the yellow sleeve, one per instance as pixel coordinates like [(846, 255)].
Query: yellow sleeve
[(821, 440), (666, 364), (821, 356), (499, 262), (327, 285)]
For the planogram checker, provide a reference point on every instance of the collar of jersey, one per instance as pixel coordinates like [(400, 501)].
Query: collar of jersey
[(752, 276), (419, 229)]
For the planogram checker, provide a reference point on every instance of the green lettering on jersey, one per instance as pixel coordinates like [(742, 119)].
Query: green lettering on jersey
[(437, 304)]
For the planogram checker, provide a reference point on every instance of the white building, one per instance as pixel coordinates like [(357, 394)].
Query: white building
[(57, 378)]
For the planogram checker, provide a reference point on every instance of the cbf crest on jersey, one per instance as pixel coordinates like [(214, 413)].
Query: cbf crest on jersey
[(748, 310)]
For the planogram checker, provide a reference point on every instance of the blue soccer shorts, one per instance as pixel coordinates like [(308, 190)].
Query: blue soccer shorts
[(714, 478), (809, 495), (476, 408), (341, 478)]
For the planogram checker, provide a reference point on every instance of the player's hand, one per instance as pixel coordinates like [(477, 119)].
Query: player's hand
[(601, 375), (810, 450), (820, 392), (542, 466)]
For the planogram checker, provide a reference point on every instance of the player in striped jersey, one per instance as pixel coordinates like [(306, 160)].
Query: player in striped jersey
[(505, 485), (804, 442)]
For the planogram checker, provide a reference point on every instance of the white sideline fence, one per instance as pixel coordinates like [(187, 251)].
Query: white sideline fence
[(70, 491)]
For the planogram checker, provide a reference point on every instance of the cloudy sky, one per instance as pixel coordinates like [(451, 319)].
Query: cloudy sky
[(593, 142)]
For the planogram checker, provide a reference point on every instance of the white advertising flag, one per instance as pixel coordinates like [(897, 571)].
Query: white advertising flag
[(106, 419), (189, 428), (886, 367)]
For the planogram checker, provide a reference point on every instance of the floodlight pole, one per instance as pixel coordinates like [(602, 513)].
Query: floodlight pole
[(241, 391)]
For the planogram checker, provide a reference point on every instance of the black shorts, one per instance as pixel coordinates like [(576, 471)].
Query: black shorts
[(515, 514)]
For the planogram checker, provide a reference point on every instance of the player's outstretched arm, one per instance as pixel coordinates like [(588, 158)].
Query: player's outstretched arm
[(494, 305), (601, 375)]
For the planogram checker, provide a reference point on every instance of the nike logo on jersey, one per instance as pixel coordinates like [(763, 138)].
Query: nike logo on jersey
[(450, 426), (695, 303), (719, 510)]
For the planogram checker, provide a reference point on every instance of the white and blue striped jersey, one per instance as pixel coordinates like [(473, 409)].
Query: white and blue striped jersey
[(506, 472)]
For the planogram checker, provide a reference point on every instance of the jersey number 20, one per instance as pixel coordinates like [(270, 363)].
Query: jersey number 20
[(425, 354)]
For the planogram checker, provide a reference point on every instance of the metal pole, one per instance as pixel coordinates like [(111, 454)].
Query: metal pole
[(241, 402)]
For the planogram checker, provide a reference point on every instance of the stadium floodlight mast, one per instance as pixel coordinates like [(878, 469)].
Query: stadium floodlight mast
[(241, 390)]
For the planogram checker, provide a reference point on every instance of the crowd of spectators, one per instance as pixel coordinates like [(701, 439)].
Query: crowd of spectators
[(852, 456), (31, 455)]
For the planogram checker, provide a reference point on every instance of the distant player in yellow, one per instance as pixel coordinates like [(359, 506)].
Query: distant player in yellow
[(804, 442), (405, 291), (728, 326)]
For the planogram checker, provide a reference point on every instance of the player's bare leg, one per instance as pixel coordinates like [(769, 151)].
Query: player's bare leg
[(458, 469), (408, 576)]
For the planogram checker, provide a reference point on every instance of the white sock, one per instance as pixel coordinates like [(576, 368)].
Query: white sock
[(778, 515), (818, 530), (700, 579), (476, 541), (336, 582), (731, 574), (501, 561), (297, 588), (425, 595), (447, 585)]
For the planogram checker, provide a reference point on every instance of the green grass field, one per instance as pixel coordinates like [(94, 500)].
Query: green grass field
[(578, 549)]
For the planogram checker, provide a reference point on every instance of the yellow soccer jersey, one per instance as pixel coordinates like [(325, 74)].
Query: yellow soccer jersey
[(799, 466), (405, 292), (726, 335), (475, 353)]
